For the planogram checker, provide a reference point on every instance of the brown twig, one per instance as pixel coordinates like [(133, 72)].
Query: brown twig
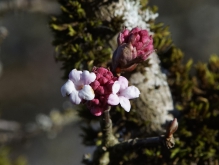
[(112, 144), (164, 140)]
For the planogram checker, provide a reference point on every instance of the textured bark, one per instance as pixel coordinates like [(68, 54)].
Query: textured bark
[(155, 100), (106, 124)]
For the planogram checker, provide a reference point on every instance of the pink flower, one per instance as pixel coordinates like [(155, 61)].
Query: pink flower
[(102, 87), (133, 47), (77, 87), (121, 93)]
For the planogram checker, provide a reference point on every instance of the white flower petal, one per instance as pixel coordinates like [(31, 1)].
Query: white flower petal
[(75, 99), (125, 103), (67, 88), (123, 82), (86, 93), (75, 76), (87, 77), (116, 87), (130, 93), (113, 99)]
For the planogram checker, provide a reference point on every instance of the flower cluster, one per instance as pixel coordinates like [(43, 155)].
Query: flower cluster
[(133, 47), (99, 89), (102, 87)]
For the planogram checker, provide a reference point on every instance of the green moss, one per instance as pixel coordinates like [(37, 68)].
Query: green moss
[(81, 38)]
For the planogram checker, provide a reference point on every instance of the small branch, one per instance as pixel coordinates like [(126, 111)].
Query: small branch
[(110, 144), (136, 143), (106, 124), (164, 140)]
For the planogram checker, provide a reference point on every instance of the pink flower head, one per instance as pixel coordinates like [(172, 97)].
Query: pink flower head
[(102, 87), (77, 87), (133, 47), (121, 93)]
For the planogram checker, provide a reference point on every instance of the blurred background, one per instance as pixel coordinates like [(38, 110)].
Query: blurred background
[(30, 80)]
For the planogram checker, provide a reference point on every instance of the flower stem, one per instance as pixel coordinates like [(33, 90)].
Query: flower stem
[(109, 139)]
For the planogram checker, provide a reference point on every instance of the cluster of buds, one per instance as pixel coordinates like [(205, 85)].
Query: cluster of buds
[(102, 87), (133, 48)]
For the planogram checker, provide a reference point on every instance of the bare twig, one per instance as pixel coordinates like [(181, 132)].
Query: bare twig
[(163, 140), (110, 141), (110, 144)]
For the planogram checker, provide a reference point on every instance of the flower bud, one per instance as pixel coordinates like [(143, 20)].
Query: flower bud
[(122, 37), (133, 48), (172, 128)]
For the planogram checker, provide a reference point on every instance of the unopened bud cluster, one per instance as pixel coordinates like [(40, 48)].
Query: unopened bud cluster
[(102, 87), (133, 47)]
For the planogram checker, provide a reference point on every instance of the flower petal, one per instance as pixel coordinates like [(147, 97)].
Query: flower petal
[(116, 87), (74, 98), (67, 88), (125, 103), (130, 93), (74, 76), (87, 77), (86, 93), (123, 82), (113, 99)]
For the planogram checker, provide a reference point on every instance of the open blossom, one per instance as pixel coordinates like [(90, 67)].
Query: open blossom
[(77, 87), (102, 87), (133, 47), (121, 93)]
